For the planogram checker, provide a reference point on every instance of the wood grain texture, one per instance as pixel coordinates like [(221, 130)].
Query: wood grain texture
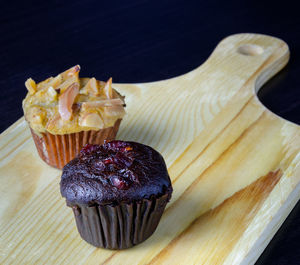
[(234, 165)]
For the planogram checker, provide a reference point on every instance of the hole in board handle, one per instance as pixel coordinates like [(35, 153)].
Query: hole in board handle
[(250, 49)]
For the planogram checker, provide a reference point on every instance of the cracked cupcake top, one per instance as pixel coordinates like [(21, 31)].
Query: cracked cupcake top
[(68, 104), (113, 172)]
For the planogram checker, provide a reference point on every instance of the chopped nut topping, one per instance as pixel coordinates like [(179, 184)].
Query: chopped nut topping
[(46, 95), (54, 121), (92, 120), (67, 104), (31, 86), (71, 72), (64, 85), (103, 103), (56, 81), (91, 88), (108, 89), (116, 110), (66, 101)]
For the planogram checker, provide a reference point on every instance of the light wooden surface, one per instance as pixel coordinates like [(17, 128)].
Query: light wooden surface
[(235, 168)]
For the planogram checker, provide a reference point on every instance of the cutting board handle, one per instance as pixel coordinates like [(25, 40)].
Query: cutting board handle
[(242, 61), (254, 58)]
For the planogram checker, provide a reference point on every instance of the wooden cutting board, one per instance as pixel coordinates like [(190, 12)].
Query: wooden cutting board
[(235, 168)]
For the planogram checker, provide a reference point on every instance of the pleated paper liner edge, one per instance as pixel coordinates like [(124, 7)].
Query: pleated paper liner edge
[(58, 150), (119, 226)]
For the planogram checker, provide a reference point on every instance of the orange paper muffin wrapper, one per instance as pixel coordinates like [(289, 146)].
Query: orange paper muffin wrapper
[(57, 150)]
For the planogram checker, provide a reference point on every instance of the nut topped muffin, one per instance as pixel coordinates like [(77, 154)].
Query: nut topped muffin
[(66, 112), (68, 104), (126, 182)]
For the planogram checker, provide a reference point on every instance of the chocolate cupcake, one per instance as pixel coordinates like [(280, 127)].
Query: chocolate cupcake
[(118, 192), (66, 112)]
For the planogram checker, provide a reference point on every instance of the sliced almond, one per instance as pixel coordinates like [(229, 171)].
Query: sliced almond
[(91, 87), (116, 110), (56, 81), (64, 85), (103, 103), (31, 86), (71, 72), (92, 120), (66, 101), (108, 89)]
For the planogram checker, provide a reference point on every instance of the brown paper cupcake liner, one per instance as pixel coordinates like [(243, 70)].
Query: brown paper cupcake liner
[(120, 226), (58, 150)]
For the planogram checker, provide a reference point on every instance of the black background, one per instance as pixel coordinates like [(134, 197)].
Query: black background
[(141, 41)]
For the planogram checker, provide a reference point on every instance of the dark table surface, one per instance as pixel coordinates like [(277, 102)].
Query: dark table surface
[(141, 41)]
